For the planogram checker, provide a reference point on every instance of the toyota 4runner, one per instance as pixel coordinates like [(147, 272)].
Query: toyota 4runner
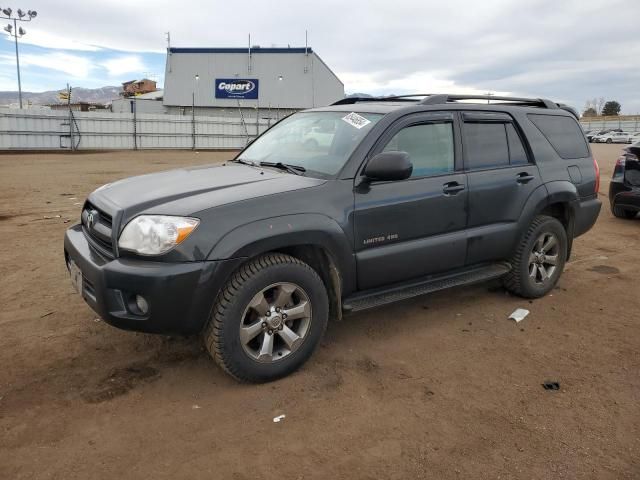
[(407, 195)]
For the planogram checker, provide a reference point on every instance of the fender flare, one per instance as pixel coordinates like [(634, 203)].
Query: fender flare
[(561, 191), (260, 236)]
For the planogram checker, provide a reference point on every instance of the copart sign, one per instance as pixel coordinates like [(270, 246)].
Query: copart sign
[(242, 88)]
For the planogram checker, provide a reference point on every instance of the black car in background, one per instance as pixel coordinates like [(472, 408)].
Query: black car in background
[(624, 189)]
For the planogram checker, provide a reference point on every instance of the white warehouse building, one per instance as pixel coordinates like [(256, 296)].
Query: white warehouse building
[(272, 81)]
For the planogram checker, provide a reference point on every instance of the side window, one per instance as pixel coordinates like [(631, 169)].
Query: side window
[(486, 145), (517, 153), (563, 133), (429, 145)]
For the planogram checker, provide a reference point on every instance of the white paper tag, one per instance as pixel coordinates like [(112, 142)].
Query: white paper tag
[(519, 314), (356, 120)]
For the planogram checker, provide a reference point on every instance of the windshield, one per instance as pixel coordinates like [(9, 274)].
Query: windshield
[(319, 142)]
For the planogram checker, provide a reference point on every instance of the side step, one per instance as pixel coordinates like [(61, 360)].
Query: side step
[(377, 297)]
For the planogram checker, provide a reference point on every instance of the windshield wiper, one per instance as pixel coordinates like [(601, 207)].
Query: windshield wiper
[(295, 169), (245, 162)]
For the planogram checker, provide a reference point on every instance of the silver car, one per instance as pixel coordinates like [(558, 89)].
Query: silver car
[(613, 137)]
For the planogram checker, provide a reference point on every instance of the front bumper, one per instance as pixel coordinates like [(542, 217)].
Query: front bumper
[(180, 295)]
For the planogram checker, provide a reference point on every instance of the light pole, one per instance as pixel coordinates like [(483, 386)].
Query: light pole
[(193, 109), (280, 78), (17, 33)]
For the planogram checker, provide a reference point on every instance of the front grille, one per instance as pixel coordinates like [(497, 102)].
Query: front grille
[(97, 226)]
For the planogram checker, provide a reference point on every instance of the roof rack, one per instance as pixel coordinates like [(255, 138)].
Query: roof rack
[(392, 98), (440, 99), (532, 102)]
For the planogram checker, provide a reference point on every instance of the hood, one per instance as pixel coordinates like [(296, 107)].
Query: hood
[(189, 190)]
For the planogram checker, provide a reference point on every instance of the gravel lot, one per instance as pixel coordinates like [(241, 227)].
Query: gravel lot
[(442, 386)]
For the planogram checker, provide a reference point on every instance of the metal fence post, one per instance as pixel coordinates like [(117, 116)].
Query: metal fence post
[(135, 124), (70, 118)]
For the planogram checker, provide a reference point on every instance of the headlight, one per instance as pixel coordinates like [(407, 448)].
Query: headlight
[(156, 234)]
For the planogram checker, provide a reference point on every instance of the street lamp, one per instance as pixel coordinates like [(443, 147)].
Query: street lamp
[(17, 33), (193, 110), (193, 93)]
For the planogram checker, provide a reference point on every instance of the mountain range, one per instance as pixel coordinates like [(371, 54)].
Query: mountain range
[(78, 94)]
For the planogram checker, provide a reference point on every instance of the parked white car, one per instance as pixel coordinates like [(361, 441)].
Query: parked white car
[(613, 137), (635, 137)]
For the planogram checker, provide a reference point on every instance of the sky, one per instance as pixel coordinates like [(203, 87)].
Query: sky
[(566, 50)]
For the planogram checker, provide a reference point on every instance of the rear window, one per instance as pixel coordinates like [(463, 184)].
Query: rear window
[(563, 133)]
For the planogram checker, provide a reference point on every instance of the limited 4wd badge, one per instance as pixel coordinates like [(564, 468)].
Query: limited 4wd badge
[(356, 120)]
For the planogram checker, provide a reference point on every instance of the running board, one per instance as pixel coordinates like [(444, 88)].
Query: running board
[(377, 297)]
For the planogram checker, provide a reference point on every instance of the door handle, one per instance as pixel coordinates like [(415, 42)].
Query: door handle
[(524, 177), (452, 188)]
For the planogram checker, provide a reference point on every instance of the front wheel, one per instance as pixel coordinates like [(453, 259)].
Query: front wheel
[(268, 319), (539, 258), (609, 140)]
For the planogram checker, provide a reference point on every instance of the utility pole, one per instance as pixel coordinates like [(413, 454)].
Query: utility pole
[(489, 95), (17, 33)]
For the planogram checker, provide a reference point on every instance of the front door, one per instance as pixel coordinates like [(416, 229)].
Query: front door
[(410, 228)]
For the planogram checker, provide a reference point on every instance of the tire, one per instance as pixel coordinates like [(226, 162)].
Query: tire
[(530, 260), (609, 140), (623, 213), (254, 346)]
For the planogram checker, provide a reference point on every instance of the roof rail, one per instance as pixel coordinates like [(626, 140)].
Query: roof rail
[(442, 98), (392, 98), (445, 98)]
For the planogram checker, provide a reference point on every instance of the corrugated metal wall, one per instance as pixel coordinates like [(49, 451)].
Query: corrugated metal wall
[(49, 130), (629, 124)]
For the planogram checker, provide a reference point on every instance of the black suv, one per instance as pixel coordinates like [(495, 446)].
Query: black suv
[(333, 210), (624, 188)]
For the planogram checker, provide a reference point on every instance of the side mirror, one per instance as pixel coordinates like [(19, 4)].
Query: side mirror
[(389, 166)]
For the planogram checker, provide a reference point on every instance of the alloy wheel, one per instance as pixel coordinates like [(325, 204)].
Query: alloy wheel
[(543, 259), (276, 322)]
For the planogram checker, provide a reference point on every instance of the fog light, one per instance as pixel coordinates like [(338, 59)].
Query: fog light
[(142, 304)]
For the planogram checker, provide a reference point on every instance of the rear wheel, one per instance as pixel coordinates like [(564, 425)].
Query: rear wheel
[(268, 319), (539, 258), (623, 213)]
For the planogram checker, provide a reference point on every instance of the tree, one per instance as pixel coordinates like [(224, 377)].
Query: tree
[(590, 112), (611, 108)]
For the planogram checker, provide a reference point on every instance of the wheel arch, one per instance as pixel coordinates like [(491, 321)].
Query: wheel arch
[(313, 238), (562, 202), (558, 199)]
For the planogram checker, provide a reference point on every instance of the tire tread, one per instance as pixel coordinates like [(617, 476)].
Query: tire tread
[(512, 281), (213, 333)]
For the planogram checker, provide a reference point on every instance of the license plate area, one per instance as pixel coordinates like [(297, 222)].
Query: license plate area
[(76, 276)]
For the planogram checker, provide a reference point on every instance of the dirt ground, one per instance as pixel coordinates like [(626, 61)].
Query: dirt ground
[(442, 386)]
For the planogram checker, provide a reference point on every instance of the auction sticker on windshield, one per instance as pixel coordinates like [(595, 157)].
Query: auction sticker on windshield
[(356, 120)]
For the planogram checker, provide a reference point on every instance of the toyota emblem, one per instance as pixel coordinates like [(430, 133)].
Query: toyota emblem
[(91, 218)]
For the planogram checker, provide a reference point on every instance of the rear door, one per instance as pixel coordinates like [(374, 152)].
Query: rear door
[(501, 176), (410, 228)]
